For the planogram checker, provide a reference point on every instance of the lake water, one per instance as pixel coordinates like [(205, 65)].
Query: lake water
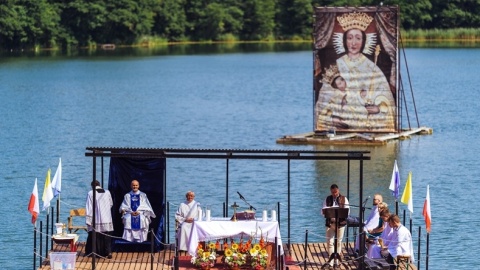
[(185, 97)]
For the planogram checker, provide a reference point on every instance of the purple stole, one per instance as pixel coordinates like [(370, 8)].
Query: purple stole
[(134, 204)]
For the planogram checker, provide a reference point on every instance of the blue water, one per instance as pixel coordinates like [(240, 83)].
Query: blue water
[(55, 107)]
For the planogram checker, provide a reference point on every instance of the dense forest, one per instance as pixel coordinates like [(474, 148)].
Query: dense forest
[(78, 23)]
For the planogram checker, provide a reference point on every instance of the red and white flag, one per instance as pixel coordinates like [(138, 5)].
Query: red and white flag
[(426, 211), (33, 206)]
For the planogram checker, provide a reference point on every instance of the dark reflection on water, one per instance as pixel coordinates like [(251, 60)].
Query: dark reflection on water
[(175, 49)]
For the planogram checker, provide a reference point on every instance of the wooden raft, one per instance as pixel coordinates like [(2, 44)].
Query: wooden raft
[(295, 259)]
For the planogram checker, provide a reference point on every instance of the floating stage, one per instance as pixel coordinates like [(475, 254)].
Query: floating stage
[(352, 138), (298, 257)]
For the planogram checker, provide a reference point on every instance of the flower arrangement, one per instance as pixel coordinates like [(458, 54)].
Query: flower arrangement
[(259, 257), (235, 255), (205, 258)]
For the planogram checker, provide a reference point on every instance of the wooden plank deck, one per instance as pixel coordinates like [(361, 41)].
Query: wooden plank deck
[(295, 259)]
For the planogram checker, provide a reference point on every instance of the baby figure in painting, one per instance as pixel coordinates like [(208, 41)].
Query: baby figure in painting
[(344, 108)]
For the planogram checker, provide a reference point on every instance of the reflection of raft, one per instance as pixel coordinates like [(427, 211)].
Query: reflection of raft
[(351, 138), (108, 46)]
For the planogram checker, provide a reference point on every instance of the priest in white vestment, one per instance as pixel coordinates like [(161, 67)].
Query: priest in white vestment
[(187, 212), (137, 214), (103, 220)]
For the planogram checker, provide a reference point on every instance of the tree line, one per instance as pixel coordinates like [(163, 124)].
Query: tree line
[(79, 23)]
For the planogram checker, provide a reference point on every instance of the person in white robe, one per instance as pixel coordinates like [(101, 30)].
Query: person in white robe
[(400, 242), (103, 220), (186, 214), (137, 214), (373, 219), (374, 251)]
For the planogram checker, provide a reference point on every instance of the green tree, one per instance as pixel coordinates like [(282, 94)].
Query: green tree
[(294, 17), (171, 22), (258, 19)]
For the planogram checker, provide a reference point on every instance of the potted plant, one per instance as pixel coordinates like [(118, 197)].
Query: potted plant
[(259, 257), (205, 259), (235, 256)]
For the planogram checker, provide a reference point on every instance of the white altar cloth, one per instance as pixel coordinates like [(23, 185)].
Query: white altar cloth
[(219, 229)]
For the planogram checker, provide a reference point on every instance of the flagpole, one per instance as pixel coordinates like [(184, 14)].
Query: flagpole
[(428, 253), (58, 208)]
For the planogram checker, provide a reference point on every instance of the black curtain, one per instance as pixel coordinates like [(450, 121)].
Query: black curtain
[(150, 173)]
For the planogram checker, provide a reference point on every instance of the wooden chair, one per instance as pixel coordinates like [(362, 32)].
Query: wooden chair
[(402, 260), (76, 213)]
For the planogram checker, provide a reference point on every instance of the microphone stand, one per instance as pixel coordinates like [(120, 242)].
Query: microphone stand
[(251, 207)]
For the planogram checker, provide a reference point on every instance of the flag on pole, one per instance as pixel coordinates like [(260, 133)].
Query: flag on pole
[(407, 193), (426, 210), (47, 192), (57, 179), (395, 182), (33, 206)]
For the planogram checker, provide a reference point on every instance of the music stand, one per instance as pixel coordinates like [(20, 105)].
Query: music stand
[(336, 213)]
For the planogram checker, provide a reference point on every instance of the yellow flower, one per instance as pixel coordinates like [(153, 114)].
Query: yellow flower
[(257, 247), (253, 251), (264, 252), (235, 246), (228, 252), (211, 245), (206, 254)]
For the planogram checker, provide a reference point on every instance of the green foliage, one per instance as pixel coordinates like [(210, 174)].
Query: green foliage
[(72, 23)]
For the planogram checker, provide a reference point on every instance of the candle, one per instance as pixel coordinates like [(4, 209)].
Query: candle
[(264, 215), (274, 215), (208, 215)]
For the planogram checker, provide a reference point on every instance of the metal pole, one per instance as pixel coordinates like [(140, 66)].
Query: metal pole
[(428, 252), (278, 214), (360, 226), (152, 238), (51, 228), (34, 245), (58, 209), (40, 251), (226, 188), (348, 190), (288, 206), (168, 222), (46, 232), (419, 255), (94, 231), (305, 251)]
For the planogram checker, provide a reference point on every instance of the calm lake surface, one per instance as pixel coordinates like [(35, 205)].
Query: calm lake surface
[(229, 97)]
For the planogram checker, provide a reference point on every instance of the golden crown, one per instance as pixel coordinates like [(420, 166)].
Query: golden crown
[(357, 20), (330, 74)]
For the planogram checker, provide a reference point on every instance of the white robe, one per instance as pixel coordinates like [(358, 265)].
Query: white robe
[(103, 214), (146, 213), (186, 210), (401, 243)]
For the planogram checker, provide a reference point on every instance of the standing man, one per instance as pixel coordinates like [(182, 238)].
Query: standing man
[(136, 214), (187, 212), (103, 220), (400, 242), (335, 199)]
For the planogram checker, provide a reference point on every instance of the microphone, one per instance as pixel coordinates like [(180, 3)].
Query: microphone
[(364, 202), (241, 197)]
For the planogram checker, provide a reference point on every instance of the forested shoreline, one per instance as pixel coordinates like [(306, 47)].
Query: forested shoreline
[(66, 24)]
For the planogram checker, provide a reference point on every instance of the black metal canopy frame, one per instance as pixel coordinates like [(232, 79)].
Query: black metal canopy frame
[(228, 154)]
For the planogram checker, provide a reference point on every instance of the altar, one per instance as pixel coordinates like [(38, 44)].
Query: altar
[(220, 228)]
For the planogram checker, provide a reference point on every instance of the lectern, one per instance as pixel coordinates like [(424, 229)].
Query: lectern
[(335, 213)]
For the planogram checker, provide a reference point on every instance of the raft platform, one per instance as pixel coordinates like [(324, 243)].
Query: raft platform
[(295, 259), (352, 138)]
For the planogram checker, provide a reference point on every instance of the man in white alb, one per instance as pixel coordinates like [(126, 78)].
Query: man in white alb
[(187, 212), (137, 213)]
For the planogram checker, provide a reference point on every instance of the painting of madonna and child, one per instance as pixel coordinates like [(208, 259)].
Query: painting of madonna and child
[(355, 69)]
